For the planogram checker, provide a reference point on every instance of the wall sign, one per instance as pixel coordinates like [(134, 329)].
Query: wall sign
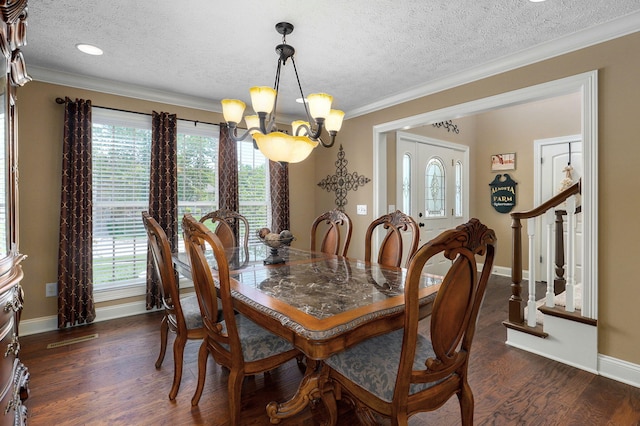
[(503, 193)]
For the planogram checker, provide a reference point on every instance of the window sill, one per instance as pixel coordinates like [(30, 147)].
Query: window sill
[(129, 290)]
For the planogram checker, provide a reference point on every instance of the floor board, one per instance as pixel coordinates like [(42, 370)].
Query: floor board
[(112, 380)]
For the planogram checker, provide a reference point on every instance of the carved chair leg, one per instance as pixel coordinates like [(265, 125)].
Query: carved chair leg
[(466, 404), (234, 387), (178, 354), (203, 355), (164, 331)]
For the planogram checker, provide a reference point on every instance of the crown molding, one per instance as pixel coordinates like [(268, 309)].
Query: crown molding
[(46, 75), (611, 30), (614, 29), (112, 87)]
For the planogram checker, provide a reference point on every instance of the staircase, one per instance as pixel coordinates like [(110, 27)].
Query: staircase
[(551, 324)]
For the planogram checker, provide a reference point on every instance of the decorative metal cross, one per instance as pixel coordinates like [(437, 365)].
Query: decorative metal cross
[(342, 181)]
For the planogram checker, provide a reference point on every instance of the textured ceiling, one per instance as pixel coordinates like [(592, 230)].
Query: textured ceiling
[(363, 52)]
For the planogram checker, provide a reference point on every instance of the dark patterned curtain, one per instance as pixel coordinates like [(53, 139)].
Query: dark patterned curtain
[(227, 171), (228, 175), (75, 251), (163, 191), (279, 187)]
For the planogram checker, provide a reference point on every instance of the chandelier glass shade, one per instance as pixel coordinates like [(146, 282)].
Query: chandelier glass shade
[(306, 134)]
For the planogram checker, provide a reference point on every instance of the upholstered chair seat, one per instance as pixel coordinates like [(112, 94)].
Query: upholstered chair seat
[(257, 343), (191, 311), (373, 364)]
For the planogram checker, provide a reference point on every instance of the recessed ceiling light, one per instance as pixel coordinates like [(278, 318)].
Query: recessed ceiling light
[(89, 49), (536, 1)]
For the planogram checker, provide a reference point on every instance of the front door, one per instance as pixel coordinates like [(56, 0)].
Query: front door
[(433, 182)]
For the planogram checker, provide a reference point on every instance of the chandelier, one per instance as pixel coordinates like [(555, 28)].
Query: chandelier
[(274, 144)]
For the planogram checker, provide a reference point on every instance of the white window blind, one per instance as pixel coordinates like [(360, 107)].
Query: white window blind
[(253, 187), (121, 144), (121, 160), (197, 171)]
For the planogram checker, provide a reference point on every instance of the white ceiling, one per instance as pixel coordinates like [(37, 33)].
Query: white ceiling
[(367, 53)]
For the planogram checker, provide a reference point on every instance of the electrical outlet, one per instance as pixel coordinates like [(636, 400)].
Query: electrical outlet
[(51, 289), (361, 209)]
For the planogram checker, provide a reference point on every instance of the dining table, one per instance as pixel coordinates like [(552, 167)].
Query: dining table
[(322, 303)]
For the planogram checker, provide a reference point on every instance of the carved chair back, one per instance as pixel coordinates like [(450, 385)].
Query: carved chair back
[(390, 252), (163, 265), (226, 225), (332, 220)]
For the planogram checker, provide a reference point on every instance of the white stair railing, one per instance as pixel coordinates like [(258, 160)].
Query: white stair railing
[(547, 221)]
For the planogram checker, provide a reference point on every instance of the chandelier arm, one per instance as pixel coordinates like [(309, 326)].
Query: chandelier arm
[(333, 140), (268, 126), (315, 134), (233, 132), (304, 100), (262, 120)]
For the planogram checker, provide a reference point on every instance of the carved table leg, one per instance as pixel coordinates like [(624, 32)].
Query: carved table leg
[(313, 386)]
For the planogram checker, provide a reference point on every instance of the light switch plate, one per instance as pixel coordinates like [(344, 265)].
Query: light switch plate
[(361, 209)]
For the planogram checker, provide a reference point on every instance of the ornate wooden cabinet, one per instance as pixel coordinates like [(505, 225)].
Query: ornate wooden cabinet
[(14, 376)]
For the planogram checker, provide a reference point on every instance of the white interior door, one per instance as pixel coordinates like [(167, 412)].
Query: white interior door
[(553, 157), (433, 185)]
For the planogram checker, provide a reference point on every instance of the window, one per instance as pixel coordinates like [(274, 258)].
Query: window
[(253, 178), (434, 188), (406, 183), (458, 208), (121, 160), (197, 171), (121, 145)]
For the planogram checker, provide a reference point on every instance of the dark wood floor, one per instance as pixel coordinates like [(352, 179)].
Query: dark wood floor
[(112, 380)]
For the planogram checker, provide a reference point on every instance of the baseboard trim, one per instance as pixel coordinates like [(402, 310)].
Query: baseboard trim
[(50, 323), (619, 370)]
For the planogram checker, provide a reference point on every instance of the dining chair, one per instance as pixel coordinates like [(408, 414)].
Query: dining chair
[(235, 342), (181, 314), (333, 221), (225, 224), (390, 252), (404, 372)]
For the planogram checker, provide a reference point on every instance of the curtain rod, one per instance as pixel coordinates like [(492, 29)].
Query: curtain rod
[(195, 122)]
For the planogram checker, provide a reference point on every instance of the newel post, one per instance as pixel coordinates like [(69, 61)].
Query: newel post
[(559, 283), (516, 312)]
